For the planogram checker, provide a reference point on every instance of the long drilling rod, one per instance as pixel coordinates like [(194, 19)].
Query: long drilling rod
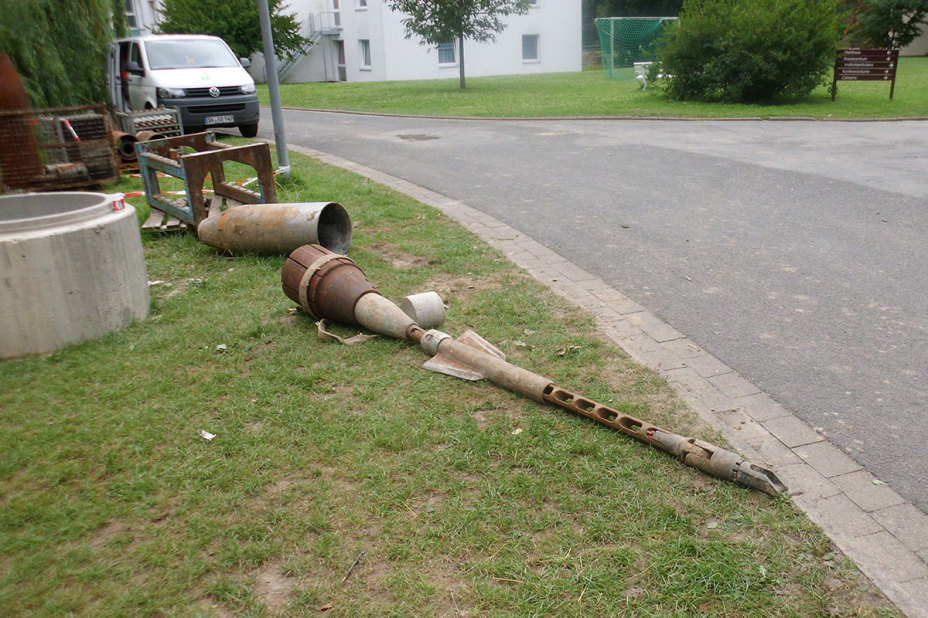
[(711, 459)]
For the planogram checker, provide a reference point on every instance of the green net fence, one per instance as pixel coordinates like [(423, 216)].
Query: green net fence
[(624, 41)]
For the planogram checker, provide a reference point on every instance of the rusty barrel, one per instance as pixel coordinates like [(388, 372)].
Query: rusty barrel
[(325, 284), (331, 286)]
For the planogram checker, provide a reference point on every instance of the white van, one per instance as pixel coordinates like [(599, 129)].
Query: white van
[(197, 74)]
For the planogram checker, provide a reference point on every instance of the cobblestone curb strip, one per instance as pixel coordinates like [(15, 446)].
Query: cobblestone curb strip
[(886, 536)]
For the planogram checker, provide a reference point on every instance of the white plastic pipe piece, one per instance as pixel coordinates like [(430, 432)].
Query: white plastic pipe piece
[(426, 309)]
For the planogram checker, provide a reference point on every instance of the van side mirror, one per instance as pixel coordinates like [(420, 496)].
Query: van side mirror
[(134, 68), (245, 62)]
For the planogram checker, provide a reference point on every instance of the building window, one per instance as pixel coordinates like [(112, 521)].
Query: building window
[(533, 3), (446, 53), (154, 8), (362, 4), (131, 16), (529, 48), (365, 54), (342, 69)]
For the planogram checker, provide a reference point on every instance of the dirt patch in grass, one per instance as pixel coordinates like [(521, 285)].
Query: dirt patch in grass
[(454, 597), (374, 574), (398, 258), (103, 536), (278, 487), (864, 596), (461, 287), (509, 412), (428, 503), (484, 418), (337, 392), (273, 587), (447, 284), (209, 607)]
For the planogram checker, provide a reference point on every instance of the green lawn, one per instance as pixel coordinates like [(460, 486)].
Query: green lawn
[(468, 500), (589, 93)]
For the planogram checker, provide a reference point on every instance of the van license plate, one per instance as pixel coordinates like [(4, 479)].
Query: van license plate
[(219, 119)]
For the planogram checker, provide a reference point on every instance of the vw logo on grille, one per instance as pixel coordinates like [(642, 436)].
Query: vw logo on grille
[(214, 92)]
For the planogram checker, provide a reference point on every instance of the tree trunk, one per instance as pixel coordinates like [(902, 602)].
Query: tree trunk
[(461, 61)]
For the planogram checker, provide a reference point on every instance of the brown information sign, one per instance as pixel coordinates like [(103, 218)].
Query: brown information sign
[(865, 65)]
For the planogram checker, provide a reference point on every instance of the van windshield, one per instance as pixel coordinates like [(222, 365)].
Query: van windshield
[(193, 54)]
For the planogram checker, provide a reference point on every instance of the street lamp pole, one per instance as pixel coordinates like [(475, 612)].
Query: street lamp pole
[(273, 86)]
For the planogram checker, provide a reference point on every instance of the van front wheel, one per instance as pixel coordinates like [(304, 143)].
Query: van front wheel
[(248, 130)]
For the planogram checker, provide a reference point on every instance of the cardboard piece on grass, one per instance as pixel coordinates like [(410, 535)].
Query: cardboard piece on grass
[(325, 335)]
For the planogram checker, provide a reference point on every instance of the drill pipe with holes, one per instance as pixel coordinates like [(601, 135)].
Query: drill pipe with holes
[(331, 286)]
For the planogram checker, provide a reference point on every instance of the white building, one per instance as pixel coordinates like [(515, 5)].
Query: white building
[(364, 40), (143, 15)]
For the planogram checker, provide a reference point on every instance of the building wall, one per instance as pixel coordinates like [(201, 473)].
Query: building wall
[(394, 57), (365, 24), (317, 66), (918, 47), (556, 22), (143, 15), (321, 63)]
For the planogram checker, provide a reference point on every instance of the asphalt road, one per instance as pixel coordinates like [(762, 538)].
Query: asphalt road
[(795, 252)]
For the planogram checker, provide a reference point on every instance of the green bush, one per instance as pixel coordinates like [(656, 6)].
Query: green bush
[(750, 51)]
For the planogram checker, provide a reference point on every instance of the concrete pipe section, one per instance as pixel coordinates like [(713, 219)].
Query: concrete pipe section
[(71, 269)]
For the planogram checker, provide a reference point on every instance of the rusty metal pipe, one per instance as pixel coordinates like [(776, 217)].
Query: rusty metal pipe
[(149, 136), (493, 368), (711, 459), (125, 146), (278, 228)]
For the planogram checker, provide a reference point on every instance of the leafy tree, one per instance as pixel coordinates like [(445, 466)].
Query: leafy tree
[(750, 50), (236, 22), (59, 47), (886, 23), (440, 21)]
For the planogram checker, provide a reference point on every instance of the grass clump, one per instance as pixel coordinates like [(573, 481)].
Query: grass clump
[(468, 500)]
